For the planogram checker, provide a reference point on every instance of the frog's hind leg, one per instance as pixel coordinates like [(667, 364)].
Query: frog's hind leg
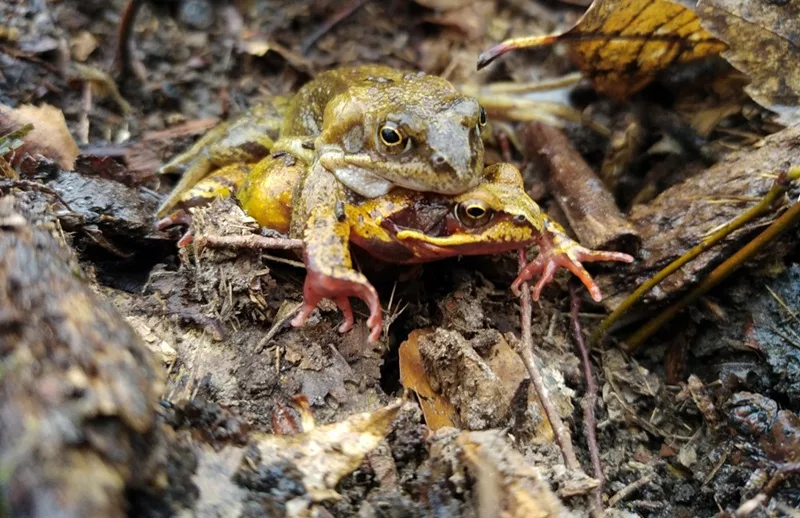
[(221, 183), (246, 138)]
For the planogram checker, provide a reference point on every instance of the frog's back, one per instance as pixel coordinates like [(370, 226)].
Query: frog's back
[(306, 109)]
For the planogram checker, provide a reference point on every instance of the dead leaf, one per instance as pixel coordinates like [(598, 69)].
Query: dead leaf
[(438, 411), (621, 45), (505, 483), (323, 455), (82, 46), (49, 138), (764, 41)]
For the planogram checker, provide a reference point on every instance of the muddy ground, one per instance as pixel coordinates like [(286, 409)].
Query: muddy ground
[(698, 422)]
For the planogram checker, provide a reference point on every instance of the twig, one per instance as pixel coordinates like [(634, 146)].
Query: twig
[(585, 200), (720, 273), (628, 490), (766, 202), (560, 432), (124, 56), (86, 108), (248, 241), (588, 403)]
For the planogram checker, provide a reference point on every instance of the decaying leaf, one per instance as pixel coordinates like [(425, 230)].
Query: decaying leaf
[(83, 45), (505, 483), (49, 138), (9, 143), (621, 45), (458, 386), (321, 456), (686, 213), (438, 411), (764, 40)]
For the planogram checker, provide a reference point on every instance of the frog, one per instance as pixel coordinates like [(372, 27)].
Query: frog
[(374, 128), (403, 226)]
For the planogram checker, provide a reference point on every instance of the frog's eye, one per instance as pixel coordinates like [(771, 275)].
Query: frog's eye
[(391, 137), (473, 213), (482, 118)]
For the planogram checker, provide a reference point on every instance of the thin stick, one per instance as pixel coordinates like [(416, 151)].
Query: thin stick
[(777, 190), (560, 432), (124, 33), (588, 403), (720, 273), (249, 241), (628, 490)]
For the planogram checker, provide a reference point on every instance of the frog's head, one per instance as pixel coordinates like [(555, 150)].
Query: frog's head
[(495, 216), (419, 133)]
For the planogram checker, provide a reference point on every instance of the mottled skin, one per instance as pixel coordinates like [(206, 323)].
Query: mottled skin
[(403, 226), (339, 123)]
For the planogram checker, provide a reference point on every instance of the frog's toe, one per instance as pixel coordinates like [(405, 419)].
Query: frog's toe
[(572, 261), (305, 311), (347, 311), (559, 251), (179, 217)]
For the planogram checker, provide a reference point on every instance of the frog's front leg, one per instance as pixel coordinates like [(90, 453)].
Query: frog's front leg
[(321, 220), (557, 249)]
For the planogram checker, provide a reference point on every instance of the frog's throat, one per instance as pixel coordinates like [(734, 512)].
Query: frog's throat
[(365, 175)]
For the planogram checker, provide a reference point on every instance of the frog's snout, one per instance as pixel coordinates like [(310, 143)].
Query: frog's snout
[(445, 166), (440, 164)]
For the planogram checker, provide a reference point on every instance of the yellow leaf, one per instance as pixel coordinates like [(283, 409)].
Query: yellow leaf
[(438, 411), (621, 45)]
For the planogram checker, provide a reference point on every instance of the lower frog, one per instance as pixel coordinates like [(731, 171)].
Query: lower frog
[(403, 226)]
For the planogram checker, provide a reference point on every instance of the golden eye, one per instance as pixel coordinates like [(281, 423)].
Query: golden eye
[(390, 135), (473, 213), (482, 118)]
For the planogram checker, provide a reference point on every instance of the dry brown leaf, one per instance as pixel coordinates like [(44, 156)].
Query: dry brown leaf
[(621, 45), (49, 138), (505, 483), (764, 41), (325, 454), (438, 411)]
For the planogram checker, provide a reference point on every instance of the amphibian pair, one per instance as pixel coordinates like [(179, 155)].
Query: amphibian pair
[(389, 161)]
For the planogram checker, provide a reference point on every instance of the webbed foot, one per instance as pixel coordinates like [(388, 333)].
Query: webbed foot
[(556, 250), (179, 217), (319, 286)]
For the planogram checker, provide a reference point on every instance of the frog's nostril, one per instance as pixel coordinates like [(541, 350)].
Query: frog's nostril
[(438, 160)]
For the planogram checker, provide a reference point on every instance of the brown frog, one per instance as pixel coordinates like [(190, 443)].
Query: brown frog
[(372, 127)]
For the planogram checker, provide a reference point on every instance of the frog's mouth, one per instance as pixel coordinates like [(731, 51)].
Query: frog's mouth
[(438, 237), (371, 178)]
